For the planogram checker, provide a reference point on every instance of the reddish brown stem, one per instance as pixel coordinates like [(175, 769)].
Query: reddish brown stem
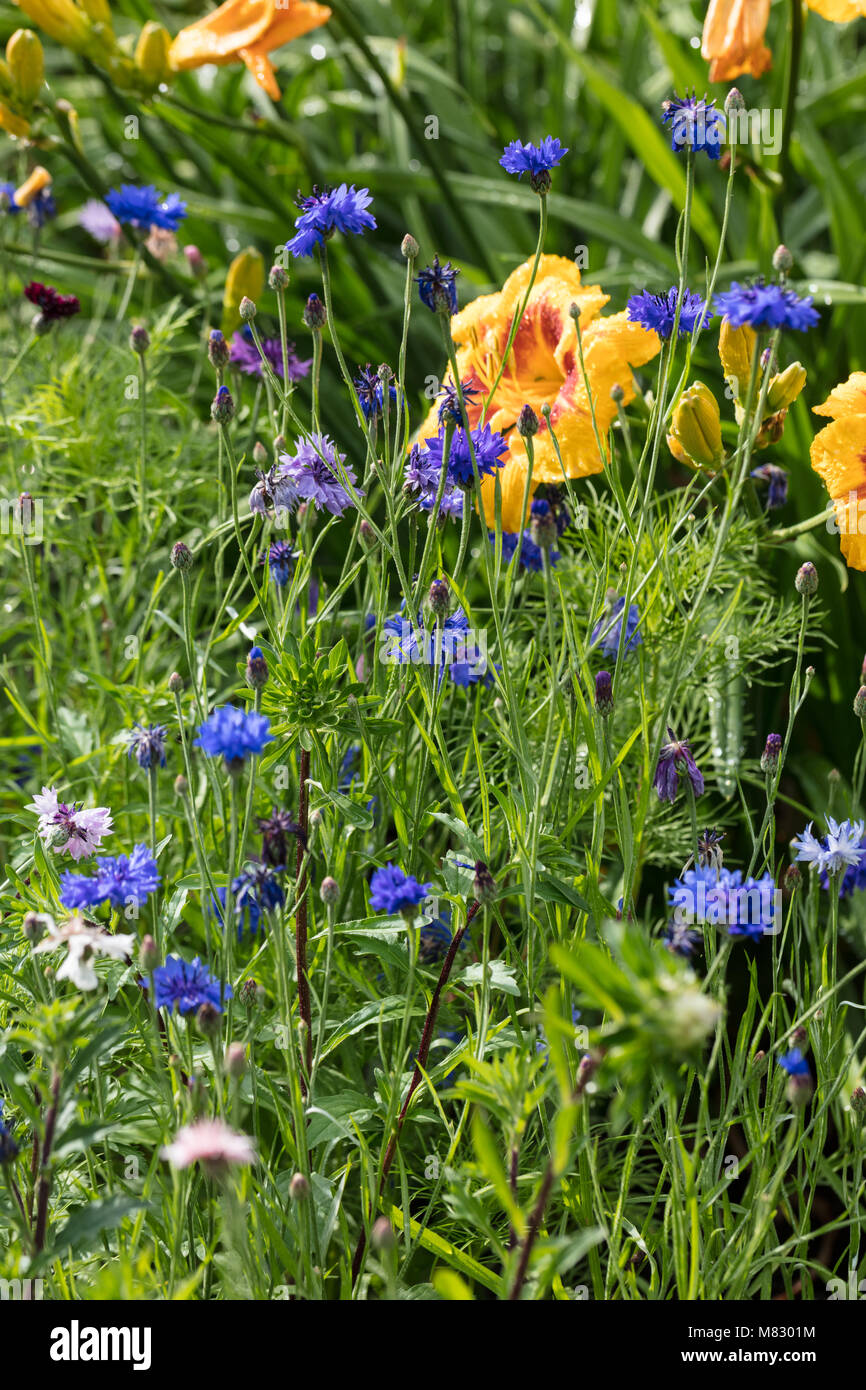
[(45, 1174), (301, 921), (420, 1064)]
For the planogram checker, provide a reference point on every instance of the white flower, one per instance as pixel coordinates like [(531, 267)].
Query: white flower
[(843, 844), (690, 1016), (70, 829), (210, 1142), (82, 943)]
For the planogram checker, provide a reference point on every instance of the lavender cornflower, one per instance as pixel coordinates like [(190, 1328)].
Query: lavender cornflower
[(488, 447), (393, 891), (608, 629), (145, 207), (762, 305), (710, 852), (694, 123), (658, 312), (313, 471), (119, 880), (244, 355), (437, 288), (98, 220), (256, 890), (68, 828), (147, 745), (234, 734), (675, 759), (682, 941), (534, 160), (275, 491), (329, 210), (186, 985)]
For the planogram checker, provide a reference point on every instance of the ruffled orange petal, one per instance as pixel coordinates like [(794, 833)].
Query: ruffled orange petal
[(848, 398), (218, 37), (287, 25), (733, 38), (838, 454)]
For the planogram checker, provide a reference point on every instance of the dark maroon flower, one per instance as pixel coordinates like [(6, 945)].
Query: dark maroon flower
[(50, 302), (676, 758)]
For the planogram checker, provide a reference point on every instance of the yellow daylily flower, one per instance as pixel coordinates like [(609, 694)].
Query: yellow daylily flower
[(60, 19), (733, 38), (245, 279), (838, 455), (544, 368), (840, 11), (246, 31)]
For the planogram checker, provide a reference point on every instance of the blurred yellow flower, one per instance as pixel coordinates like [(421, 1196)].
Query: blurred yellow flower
[(33, 185), (736, 347), (246, 31), (840, 11), (543, 368), (733, 38), (60, 19), (246, 277), (838, 455)]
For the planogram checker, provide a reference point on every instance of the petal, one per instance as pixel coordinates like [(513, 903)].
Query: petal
[(218, 36), (734, 38), (840, 11), (848, 398), (851, 520), (838, 454), (736, 349), (512, 481), (287, 24)]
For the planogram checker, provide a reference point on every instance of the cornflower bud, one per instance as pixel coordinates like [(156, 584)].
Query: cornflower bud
[(770, 755), (181, 556), (806, 581)]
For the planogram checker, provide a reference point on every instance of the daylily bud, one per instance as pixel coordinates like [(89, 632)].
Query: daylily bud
[(40, 179), (785, 387), (62, 20), (26, 64), (697, 427), (151, 53), (246, 279)]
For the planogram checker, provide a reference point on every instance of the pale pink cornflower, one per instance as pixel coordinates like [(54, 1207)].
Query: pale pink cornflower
[(68, 827), (211, 1143)]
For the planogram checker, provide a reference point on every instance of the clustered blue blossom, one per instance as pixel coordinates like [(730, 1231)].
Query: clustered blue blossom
[(119, 880), (393, 891), (658, 312), (371, 392), (329, 210), (147, 745), (281, 559), (535, 160), (487, 445), (794, 1063), (720, 897), (695, 125), (256, 890), (437, 287), (763, 305), (313, 472), (145, 207), (607, 632), (449, 403), (187, 985), (447, 645), (234, 734)]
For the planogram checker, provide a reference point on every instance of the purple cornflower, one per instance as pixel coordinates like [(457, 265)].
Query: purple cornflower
[(437, 288), (393, 891), (531, 554), (777, 484), (312, 470), (716, 896), (658, 312), (329, 210), (449, 405), (245, 356), (488, 447), (145, 207), (534, 160), (281, 558), (675, 759), (447, 644), (681, 941), (608, 630), (51, 304), (147, 745), (119, 880), (371, 392), (275, 830), (187, 985), (234, 734), (97, 219), (762, 305), (694, 123)]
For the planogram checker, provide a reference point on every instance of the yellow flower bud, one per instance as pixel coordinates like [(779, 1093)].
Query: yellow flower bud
[(736, 349), (785, 387), (12, 124), (26, 64), (61, 19), (246, 279), (97, 10), (38, 180), (697, 428), (151, 53)]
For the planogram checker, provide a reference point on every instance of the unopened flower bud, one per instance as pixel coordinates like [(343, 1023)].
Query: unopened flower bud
[(409, 247), (697, 428), (148, 955), (34, 927), (604, 694), (299, 1188), (151, 53), (139, 339), (236, 1060), (367, 531), (181, 785), (315, 314), (858, 1103), (793, 878), (806, 581), (223, 406), (26, 62), (196, 261), (617, 394), (785, 387), (438, 597), (218, 350), (860, 703), (799, 1090), (770, 755), (382, 1235), (248, 993), (542, 524), (527, 422), (260, 454), (734, 101), (782, 260), (278, 277), (247, 309), (208, 1020), (257, 669), (181, 556), (329, 891)]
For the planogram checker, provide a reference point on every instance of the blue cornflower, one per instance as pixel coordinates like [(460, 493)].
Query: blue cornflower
[(393, 891), (281, 558), (449, 405), (147, 745), (8, 1147), (488, 447), (41, 209), (234, 733), (694, 125), (682, 941), (760, 305), (531, 555), (145, 207), (450, 503), (187, 985), (257, 889), (675, 759), (371, 393), (608, 629), (658, 312), (841, 849), (421, 477), (7, 193), (437, 288), (118, 880), (719, 897), (777, 484), (329, 210), (534, 160), (435, 938), (313, 473), (794, 1063)]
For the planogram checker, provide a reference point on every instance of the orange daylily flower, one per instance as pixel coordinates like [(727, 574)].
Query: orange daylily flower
[(838, 454), (544, 368), (733, 38), (246, 31)]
